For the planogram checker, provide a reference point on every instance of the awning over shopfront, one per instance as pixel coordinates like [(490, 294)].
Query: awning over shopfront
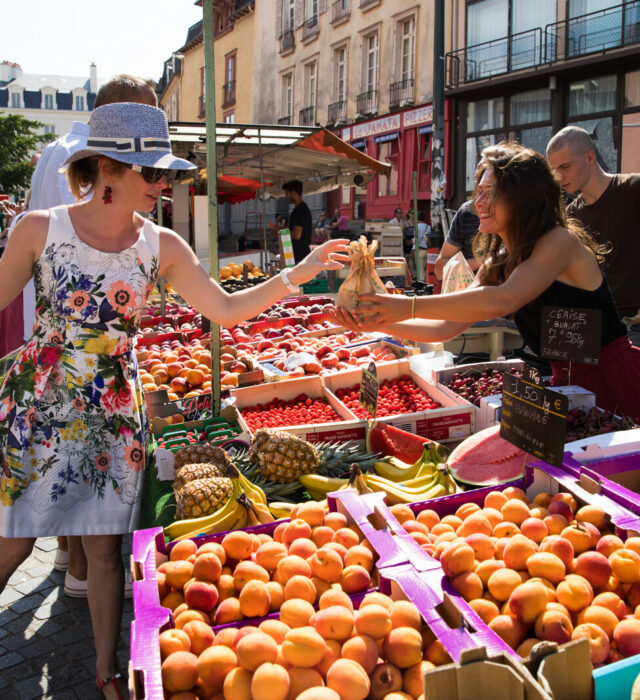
[(276, 154)]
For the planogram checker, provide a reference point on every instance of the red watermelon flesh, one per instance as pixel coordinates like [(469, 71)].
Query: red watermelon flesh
[(485, 458), (394, 442)]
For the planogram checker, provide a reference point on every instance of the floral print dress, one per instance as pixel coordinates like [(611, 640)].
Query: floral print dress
[(72, 422)]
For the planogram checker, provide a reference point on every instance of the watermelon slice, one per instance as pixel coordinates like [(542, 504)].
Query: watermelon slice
[(485, 458), (393, 442)]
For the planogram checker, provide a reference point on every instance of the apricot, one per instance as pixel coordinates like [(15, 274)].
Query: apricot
[(354, 578), (626, 636), (321, 535), (173, 640), (360, 556), (601, 616), (402, 512), (276, 595), (538, 512), (612, 602), (556, 522), (457, 558), (225, 637), (475, 523), (348, 679), (207, 566), (492, 515), (579, 535), (270, 682), (599, 646), (373, 620), (551, 589), (336, 547), (334, 622), (300, 587), (332, 652), (553, 626), (279, 531), (502, 583), (534, 528), (546, 565), (237, 685), (302, 547), (296, 529), (254, 599), (335, 520), (296, 613), (405, 614), (275, 629), (608, 544), (495, 499), (592, 514), (524, 650), (241, 633), (346, 537), (178, 572), (301, 679), (291, 566), (182, 549), (452, 520), (485, 568), (303, 647), (402, 647), (335, 597), (228, 611), (319, 693), (362, 649), (575, 592), (517, 550), (200, 635), (413, 678), (269, 554), (255, 649), (246, 571), (511, 630), (561, 547), (183, 614), (485, 609), (201, 595), (440, 528), (515, 511), (528, 601), (633, 543), (179, 671), (435, 653), (505, 529), (625, 565), (215, 663), (593, 566), (311, 512), (468, 584), (237, 545), (376, 598), (428, 517), (515, 492)]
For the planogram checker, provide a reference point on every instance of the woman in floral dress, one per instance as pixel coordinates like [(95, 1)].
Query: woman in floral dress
[(72, 426)]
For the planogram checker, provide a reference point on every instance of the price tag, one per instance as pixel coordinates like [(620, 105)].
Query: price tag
[(570, 335), (534, 418), (369, 386), (298, 359)]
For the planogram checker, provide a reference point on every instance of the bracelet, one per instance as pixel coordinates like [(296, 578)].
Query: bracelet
[(413, 307), (284, 276)]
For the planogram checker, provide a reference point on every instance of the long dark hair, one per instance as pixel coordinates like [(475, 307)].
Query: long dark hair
[(529, 189)]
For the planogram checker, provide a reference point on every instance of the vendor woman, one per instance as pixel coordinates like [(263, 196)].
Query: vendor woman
[(532, 257)]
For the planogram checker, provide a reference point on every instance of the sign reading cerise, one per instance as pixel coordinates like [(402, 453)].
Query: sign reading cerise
[(570, 334)]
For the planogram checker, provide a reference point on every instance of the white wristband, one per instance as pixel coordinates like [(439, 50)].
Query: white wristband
[(284, 276)]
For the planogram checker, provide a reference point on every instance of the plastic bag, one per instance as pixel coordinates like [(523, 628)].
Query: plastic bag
[(457, 274), (362, 277)]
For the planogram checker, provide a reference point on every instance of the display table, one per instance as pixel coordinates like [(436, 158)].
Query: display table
[(494, 337)]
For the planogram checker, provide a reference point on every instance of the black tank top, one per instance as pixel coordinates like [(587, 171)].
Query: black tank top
[(528, 318)]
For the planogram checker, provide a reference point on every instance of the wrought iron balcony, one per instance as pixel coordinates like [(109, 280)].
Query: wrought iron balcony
[(337, 112), (402, 93), (308, 116), (287, 41), (341, 8), (570, 38), (229, 93), (285, 121), (367, 102), (310, 27)]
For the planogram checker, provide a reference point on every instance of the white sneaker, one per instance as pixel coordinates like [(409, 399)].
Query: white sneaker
[(61, 561), (73, 587)]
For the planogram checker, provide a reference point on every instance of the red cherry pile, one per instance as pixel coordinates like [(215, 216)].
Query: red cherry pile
[(395, 397), (472, 385), (581, 424), (298, 411)]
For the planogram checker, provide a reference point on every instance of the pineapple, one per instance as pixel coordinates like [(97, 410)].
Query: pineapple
[(282, 457), (197, 454), (190, 472), (202, 497)]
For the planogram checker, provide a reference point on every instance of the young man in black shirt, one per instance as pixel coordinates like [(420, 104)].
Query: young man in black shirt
[(300, 222)]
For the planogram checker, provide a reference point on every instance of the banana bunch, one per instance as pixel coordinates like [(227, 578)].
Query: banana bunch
[(395, 470), (318, 486), (432, 484)]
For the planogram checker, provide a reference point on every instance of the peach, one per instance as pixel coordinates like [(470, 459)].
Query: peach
[(428, 517), (608, 544), (599, 615), (495, 499), (354, 578), (485, 609), (373, 620), (335, 597), (561, 547), (612, 602), (405, 614), (553, 626), (627, 636), (228, 611), (319, 693), (201, 595), (321, 535), (546, 565), (598, 641), (334, 622), (215, 663), (255, 649), (178, 572), (301, 679), (173, 640), (575, 593), (509, 629), (518, 550), (312, 513), (559, 507), (237, 684), (502, 583), (270, 682), (269, 554), (625, 565), (179, 671), (296, 613), (475, 523), (335, 520), (303, 647), (457, 558), (182, 549), (593, 566), (385, 679), (291, 566), (534, 528), (579, 535), (468, 584), (528, 601), (348, 679), (237, 545), (362, 649), (359, 555), (515, 511), (556, 522), (485, 568), (524, 650)]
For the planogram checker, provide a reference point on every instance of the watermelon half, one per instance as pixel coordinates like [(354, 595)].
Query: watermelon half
[(485, 458), (393, 442)]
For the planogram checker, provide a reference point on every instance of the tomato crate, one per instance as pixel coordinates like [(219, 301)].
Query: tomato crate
[(346, 428), (450, 422)]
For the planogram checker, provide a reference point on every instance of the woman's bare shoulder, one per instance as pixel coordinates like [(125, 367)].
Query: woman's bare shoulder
[(33, 224)]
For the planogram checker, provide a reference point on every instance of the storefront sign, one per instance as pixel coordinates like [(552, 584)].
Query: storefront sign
[(369, 386), (418, 116), (534, 418), (571, 335), (391, 122), (393, 136)]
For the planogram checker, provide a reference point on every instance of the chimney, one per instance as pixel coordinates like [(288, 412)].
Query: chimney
[(9, 71), (93, 78)]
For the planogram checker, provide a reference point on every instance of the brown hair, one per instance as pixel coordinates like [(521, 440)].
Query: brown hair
[(126, 88), (83, 174), (528, 187)]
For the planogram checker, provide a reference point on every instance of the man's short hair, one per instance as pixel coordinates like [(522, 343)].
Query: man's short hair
[(293, 186), (422, 216), (575, 137), (126, 88)]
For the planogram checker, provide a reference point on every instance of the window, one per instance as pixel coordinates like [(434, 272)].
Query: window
[(632, 89), (48, 102), (424, 161), (485, 115), (371, 54), (601, 132), (201, 99), (79, 103), (229, 117), (49, 129), (287, 95), (340, 74), (229, 87), (593, 95), (530, 107), (310, 80), (311, 10), (289, 23), (388, 152), (407, 48), (15, 100)]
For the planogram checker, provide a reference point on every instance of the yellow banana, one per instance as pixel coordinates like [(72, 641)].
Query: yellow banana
[(261, 512), (254, 493), (395, 493), (280, 509), (319, 486), (357, 481), (396, 470), (412, 486)]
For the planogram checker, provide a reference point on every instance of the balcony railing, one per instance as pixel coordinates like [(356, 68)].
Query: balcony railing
[(367, 102), (287, 41), (310, 27), (402, 93), (308, 116), (337, 112), (341, 8), (577, 36), (201, 106), (367, 3), (229, 93), (285, 121)]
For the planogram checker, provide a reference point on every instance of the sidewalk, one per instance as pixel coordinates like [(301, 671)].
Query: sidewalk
[(46, 644)]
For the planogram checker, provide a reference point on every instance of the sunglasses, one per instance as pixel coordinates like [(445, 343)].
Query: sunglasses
[(148, 173)]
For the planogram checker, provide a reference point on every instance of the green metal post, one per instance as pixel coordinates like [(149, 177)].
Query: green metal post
[(417, 257), (212, 187), (162, 283)]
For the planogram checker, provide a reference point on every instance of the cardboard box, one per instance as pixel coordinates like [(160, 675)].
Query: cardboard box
[(578, 396), (450, 422), (599, 447)]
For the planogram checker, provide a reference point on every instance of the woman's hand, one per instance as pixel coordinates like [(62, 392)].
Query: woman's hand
[(325, 257), (351, 321), (383, 309)]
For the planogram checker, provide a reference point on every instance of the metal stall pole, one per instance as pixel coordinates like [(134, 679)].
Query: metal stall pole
[(263, 256), (438, 177), (417, 257), (212, 187), (162, 283)]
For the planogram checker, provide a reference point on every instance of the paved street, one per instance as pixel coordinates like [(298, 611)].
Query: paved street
[(46, 646)]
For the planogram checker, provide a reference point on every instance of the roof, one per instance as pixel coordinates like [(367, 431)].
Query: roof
[(313, 155), (62, 83)]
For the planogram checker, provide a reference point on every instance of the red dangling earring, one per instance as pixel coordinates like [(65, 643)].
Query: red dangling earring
[(106, 196)]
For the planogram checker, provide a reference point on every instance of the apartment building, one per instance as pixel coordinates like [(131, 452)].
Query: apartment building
[(522, 70)]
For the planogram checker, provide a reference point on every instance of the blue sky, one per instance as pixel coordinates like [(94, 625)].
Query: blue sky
[(63, 37)]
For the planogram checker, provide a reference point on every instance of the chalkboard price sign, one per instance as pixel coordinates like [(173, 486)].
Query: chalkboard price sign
[(369, 386), (570, 335), (534, 418)]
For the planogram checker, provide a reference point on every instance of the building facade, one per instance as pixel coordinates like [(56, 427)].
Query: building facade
[(56, 101), (522, 70)]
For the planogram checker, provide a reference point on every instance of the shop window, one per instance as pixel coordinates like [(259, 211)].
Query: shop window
[(475, 146), (389, 152), (601, 132), (530, 107), (536, 137), (485, 115), (630, 143), (632, 89), (592, 95), (424, 162)]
